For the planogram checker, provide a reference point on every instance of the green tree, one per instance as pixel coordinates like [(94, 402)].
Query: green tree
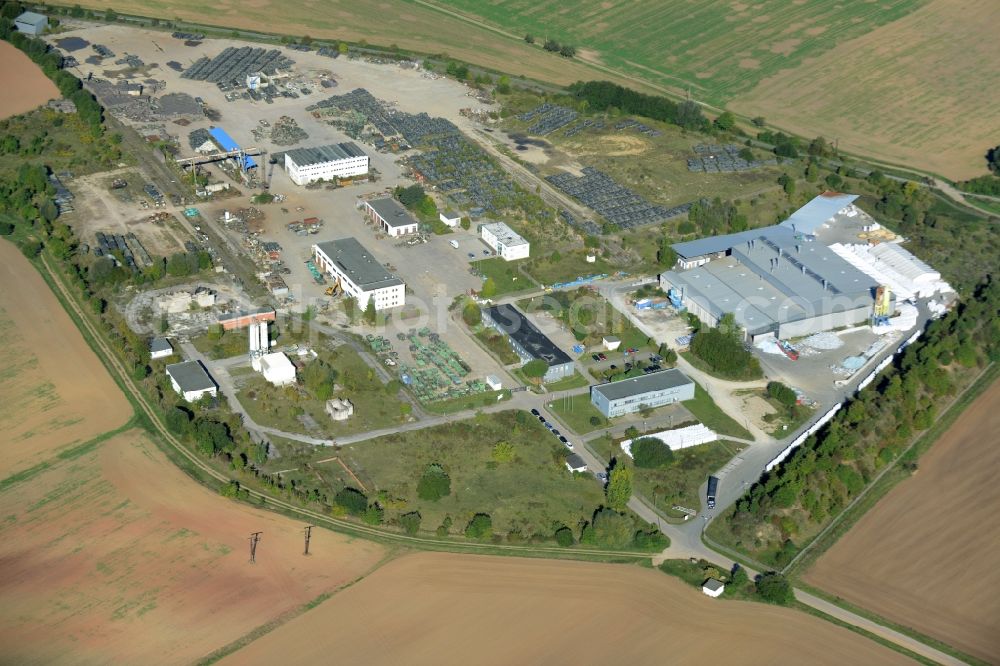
[(489, 289), (373, 515), (651, 453), (782, 393), (535, 369), (434, 484), (471, 314), (726, 121), (774, 588), (564, 536), (612, 529), (444, 528), (619, 488), (480, 527), (370, 315), (351, 499), (665, 255), (529, 38), (466, 223), (410, 522)]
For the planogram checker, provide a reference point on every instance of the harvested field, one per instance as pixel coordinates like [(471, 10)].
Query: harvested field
[(456, 609), (913, 92), (925, 556), (117, 557), (54, 390), (25, 86)]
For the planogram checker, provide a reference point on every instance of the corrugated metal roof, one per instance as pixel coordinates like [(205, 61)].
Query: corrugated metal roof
[(654, 381), (329, 153), (809, 218), (358, 264), (393, 214), (227, 143)]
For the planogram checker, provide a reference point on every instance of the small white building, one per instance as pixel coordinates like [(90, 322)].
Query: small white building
[(611, 342), (450, 218), (504, 241), (713, 588), (191, 380), (359, 274), (574, 463), (330, 162), (494, 382), (31, 23), (277, 369), (340, 409), (390, 217), (160, 348)]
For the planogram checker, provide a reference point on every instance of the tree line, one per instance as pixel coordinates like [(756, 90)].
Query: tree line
[(604, 95)]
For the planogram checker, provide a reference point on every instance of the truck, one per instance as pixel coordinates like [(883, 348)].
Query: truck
[(713, 486), (453, 243)]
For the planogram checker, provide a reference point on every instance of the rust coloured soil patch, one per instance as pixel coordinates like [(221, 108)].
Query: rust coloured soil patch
[(117, 557), (926, 555), (24, 85), (54, 390), (437, 608)]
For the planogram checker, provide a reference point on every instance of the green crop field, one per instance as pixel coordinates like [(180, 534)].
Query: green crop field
[(717, 49)]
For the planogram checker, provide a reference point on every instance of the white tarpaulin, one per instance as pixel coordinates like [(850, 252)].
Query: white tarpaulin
[(681, 438)]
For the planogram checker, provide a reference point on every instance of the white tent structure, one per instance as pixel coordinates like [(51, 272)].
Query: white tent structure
[(680, 438), (890, 264)]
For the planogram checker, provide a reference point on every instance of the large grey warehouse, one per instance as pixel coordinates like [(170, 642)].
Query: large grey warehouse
[(528, 342), (776, 281), (631, 395)]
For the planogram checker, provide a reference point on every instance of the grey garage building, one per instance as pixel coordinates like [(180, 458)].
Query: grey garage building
[(630, 395)]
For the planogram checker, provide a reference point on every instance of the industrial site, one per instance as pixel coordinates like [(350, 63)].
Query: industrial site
[(425, 307)]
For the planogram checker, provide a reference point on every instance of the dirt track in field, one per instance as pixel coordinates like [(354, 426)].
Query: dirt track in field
[(24, 85), (927, 555), (116, 557), (54, 390), (435, 608)]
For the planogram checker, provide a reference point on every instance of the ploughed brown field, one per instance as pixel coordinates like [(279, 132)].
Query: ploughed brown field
[(54, 390), (117, 557), (437, 608), (927, 555), (24, 85)]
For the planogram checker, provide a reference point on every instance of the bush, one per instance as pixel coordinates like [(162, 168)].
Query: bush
[(352, 500), (6, 229), (480, 527), (651, 453), (564, 537), (445, 527), (410, 522), (471, 314), (434, 484), (373, 515), (774, 588), (652, 539), (782, 393)]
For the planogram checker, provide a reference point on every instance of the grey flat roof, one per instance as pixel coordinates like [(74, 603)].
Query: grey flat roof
[(190, 376), (522, 331), (809, 218), (654, 381), (393, 214), (328, 153), (160, 344), (358, 264), (575, 460), (504, 234)]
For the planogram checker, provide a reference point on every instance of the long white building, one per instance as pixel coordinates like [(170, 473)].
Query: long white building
[(330, 162), (359, 274), (504, 241)]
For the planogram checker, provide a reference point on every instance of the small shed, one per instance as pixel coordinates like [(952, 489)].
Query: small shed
[(160, 348), (611, 342), (713, 587), (31, 23), (450, 218), (494, 382), (575, 463)]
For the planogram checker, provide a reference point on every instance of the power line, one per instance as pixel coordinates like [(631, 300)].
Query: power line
[(254, 540), (308, 534)]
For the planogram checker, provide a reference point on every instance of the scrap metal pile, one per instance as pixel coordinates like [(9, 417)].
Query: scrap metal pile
[(467, 175), (722, 159), (548, 118), (284, 132), (229, 69), (130, 247), (618, 205)]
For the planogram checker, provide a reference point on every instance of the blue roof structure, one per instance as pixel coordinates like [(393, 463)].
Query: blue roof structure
[(809, 218), (226, 143)]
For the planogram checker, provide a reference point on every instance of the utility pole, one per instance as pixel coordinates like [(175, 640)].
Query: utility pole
[(254, 540), (308, 534)]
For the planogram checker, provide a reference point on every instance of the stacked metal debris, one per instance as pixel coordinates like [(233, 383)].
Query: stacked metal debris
[(618, 205)]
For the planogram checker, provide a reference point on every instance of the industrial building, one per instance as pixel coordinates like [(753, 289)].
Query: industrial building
[(31, 23), (359, 274), (330, 162), (191, 380), (277, 369), (652, 390), (229, 145), (390, 217), (776, 281), (241, 318), (528, 342), (504, 241)]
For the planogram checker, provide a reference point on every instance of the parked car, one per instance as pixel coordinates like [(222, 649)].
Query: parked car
[(556, 433), (472, 255), (541, 418), (549, 426), (534, 412), (602, 356), (487, 252), (613, 366), (601, 476), (568, 444), (595, 357)]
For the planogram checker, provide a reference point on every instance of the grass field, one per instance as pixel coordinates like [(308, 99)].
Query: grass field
[(504, 274), (706, 411), (436, 608), (530, 494), (576, 411), (677, 484), (46, 409), (932, 527), (912, 92)]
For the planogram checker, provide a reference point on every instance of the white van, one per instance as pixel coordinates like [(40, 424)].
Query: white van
[(453, 243)]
